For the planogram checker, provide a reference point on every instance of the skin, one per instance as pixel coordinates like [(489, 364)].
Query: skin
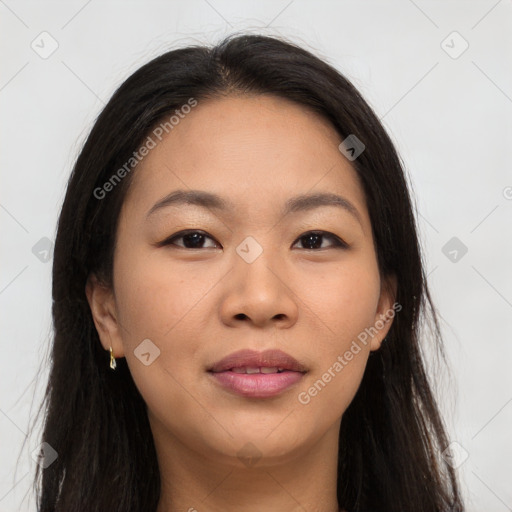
[(199, 305)]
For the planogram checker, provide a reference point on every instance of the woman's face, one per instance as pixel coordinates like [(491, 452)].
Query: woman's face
[(248, 278)]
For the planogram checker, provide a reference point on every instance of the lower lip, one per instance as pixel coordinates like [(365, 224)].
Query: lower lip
[(257, 385)]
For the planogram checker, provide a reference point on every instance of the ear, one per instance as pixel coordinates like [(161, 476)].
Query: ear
[(102, 303), (386, 310)]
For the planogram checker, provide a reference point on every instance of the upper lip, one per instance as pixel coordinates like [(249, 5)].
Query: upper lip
[(253, 359)]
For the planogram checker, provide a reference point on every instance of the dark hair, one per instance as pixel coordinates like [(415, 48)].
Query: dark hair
[(392, 435)]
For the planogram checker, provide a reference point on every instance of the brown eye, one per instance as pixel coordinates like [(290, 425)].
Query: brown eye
[(314, 240), (195, 239), (192, 239)]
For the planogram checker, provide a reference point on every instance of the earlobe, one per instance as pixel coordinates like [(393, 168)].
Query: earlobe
[(102, 305), (386, 311)]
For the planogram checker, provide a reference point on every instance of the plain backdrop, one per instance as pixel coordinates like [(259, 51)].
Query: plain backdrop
[(437, 73)]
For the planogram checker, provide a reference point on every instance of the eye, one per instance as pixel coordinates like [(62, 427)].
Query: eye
[(313, 240), (192, 239)]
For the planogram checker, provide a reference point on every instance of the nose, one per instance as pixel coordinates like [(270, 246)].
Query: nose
[(259, 293)]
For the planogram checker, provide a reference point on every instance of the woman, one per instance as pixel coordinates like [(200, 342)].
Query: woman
[(237, 293)]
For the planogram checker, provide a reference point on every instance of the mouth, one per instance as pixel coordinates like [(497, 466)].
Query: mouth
[(257, 375)]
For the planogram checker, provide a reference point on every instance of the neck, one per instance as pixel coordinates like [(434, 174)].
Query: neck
[(204, 481)]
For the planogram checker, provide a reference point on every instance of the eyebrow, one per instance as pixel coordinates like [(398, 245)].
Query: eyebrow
[(300, 203)]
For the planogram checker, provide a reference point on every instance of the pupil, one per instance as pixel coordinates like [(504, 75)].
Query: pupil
[(195, 238), (315, 238)]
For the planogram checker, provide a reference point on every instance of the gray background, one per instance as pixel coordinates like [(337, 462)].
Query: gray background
[(448, 112)]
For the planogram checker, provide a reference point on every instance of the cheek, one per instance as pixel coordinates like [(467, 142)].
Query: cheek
[(162, 303), (166, 302), (342, 300), (344, 305), (156, 298)]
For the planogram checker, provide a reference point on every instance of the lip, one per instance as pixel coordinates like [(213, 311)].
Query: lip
[(257, 385)]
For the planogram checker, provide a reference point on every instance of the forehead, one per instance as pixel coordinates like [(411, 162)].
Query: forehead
[(253, 147)]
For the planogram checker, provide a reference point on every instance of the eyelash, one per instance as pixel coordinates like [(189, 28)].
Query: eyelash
[(338, 243)]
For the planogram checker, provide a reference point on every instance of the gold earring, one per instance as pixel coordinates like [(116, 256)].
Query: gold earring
[(112, 359)]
